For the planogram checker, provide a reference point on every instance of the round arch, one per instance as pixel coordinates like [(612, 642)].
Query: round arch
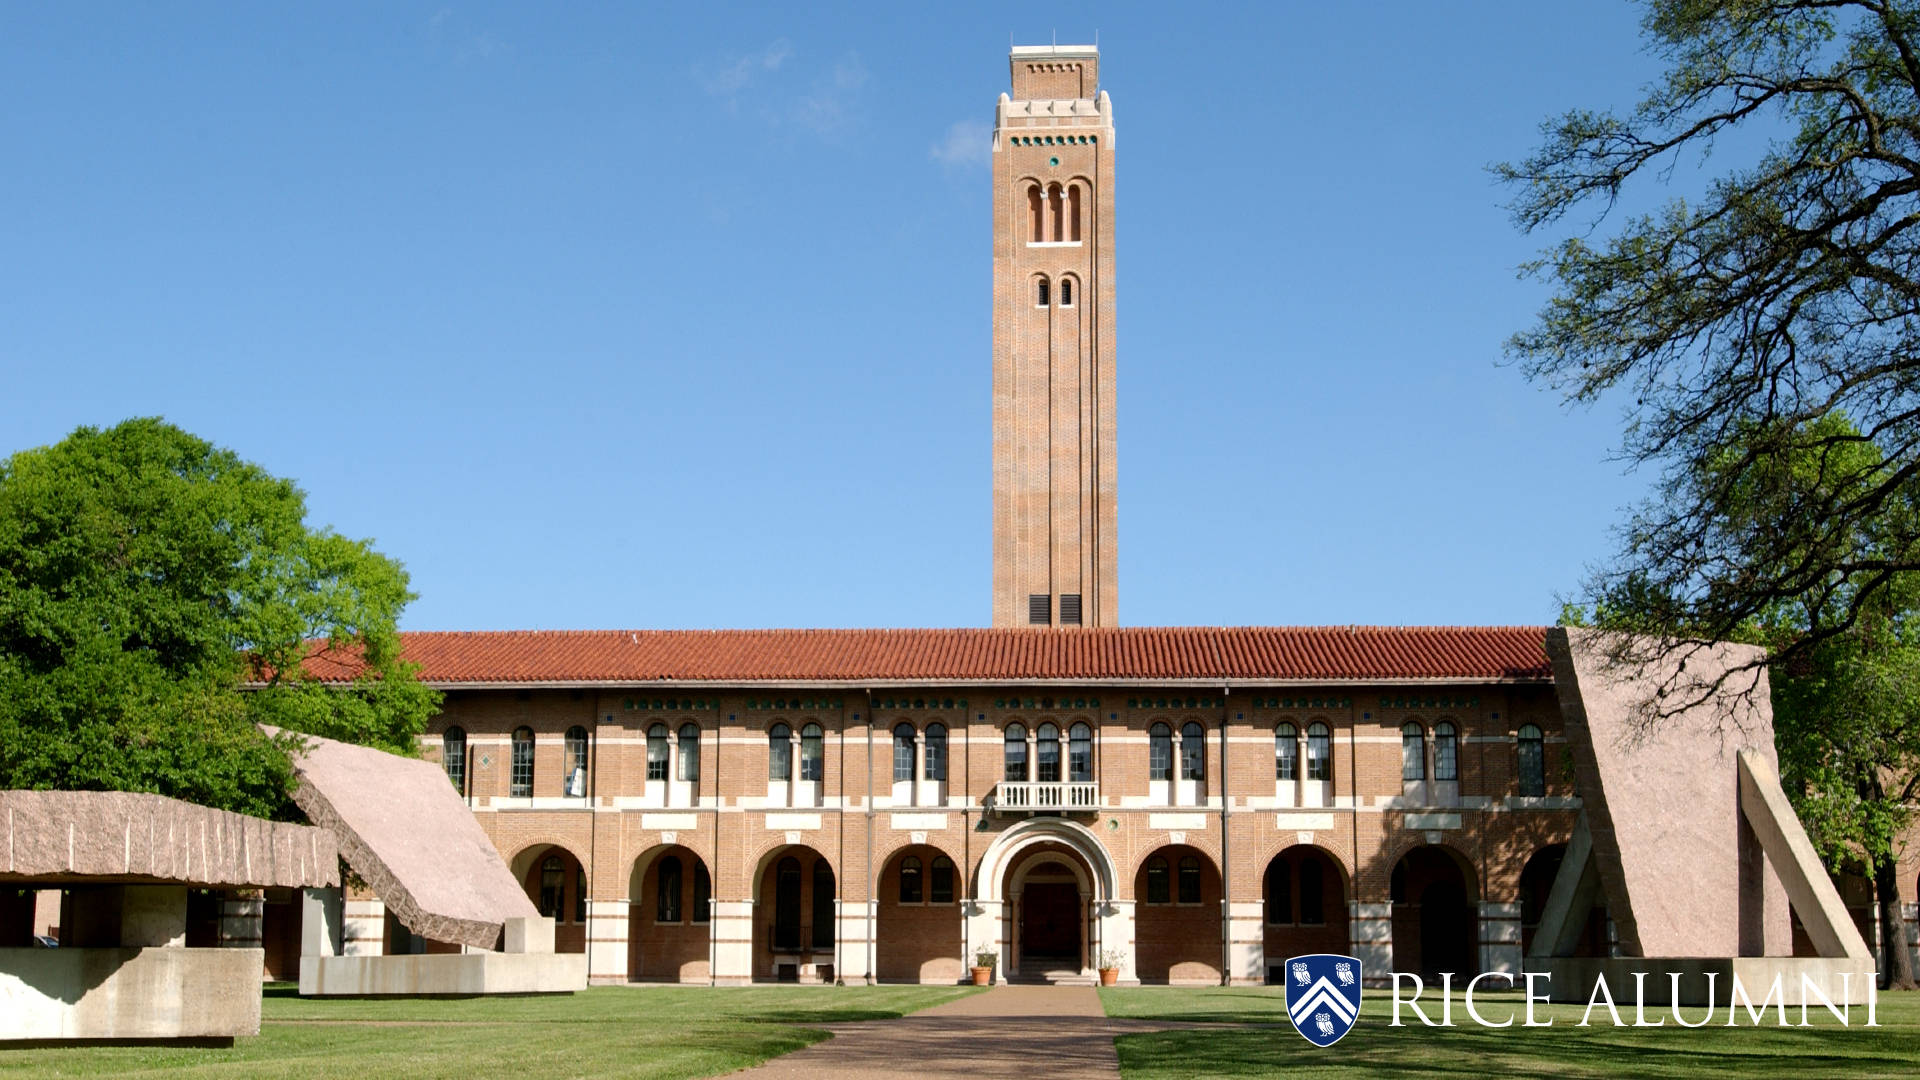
[(536, 867), (668, 921), (796, 889), (1177, 891), (920, 926), (1436, 922), (989, 882)]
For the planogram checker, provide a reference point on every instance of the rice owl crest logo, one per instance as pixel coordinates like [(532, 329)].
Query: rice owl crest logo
[(1323, 996)]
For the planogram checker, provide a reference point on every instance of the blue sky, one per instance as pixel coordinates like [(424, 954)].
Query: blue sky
[(677, 315)]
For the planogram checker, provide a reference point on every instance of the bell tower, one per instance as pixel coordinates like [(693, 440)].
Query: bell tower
[(1053, 386)]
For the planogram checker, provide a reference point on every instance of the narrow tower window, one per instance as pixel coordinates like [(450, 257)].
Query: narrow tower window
[(1073, 213), (1040, 297), (1035, 232), (1066, 292), (1056, 207), (1533, 764)]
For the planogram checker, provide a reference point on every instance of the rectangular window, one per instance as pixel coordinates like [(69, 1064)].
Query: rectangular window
[(902, 758), (1319, 753), (1070, 609), (1040, 609), (936, 755), (521, 778), (1016, 765), (1189, 881), (1193, 755), (1160, 756), (940, 887)]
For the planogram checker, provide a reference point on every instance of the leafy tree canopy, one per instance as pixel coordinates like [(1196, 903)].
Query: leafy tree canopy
[(158, 596), (1738, 324)]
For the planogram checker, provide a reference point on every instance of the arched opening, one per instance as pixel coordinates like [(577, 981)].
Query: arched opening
[(1041, 296), (1305, 894), (920, 922), (1073, 213), (556, 882), (794, 915), (1536, 885), (1176, 917), (1048, 889), (1436, 925), (1036, 230), (669, 913), (1056, 207)]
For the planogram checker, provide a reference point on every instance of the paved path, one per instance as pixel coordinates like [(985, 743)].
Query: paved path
[(1058, 1031)]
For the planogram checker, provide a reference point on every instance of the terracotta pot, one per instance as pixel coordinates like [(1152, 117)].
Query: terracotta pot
[(982, 976), (1109, 976)]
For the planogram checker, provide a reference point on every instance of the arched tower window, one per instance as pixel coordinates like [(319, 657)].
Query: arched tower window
[(1066, 292), (689, 751), (1286, 753), (1080, 754), (1533, 761), (1041, 297), (813, 753), (453, 757), (1446, 752), (1073, 214), (1046, 757), (576, 762), (1056, 208), (1036, 228), (780, 752), (1015, 754), (1413, 752), (1160, 752), (520, 780), (657, 752)]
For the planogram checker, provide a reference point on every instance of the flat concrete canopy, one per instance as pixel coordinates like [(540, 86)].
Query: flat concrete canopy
[(122, 837), (403, 828)]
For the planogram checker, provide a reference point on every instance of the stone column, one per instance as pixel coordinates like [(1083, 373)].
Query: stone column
[(919, 764), (793, 766), (1177, 778), (153, 916), (366, 928), (1246, 942), (1117, 933), (1371, 928), (322, 923), (732, 935), (1499, 937), (985, 921), (607, 951)]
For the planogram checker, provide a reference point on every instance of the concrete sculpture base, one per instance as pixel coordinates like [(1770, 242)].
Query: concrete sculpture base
[(1842, 980), (444, 974), (129, 994)]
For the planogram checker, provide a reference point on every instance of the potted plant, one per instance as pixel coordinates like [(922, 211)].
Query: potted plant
[(984, 958), (1110, 961)]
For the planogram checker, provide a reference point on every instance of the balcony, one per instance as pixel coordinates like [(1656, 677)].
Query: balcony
[(1012, 797)]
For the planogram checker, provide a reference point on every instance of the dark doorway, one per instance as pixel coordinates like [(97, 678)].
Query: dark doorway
[(1443, 914), (786, 906), (1050, 922)]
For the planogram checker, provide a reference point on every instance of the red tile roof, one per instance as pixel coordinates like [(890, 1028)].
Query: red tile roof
[(859, 657)]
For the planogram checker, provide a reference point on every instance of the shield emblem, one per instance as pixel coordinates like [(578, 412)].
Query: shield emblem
[(1323, 996)]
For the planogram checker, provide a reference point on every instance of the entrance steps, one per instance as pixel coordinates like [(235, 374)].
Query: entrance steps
[(1054, 977)]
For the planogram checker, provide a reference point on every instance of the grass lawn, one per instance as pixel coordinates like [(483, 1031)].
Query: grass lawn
[(652, 1031), (1375, 1049)]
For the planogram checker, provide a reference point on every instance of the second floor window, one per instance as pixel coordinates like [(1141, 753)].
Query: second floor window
[(936, 752), (576, 781), (520, 780), (1533, 762), (1319, 752), (657, 752), (1446, 752), (1160, 752), (1046, 755), (1286, 753), (1413, 752), (1080, 754), (902, 753), (1015, 754), (453, 757), (689, 751), (1193, 751), (813, 753), (780, 752), (667, 906)]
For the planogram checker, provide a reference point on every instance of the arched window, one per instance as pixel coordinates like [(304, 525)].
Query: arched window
[(1193, 751), (1286, 753), (1056, 207), (1159, 752), (1040, 296), (520, 780), (657, 752), (902, 753), (813, 753), (1189, 880), (1279, 893), (936, 752), (1159, 889), (910, 883), (1036, 229), (780, 753), (689, 751), (823, 913), (1080, 754), (553, 886), (1533, 762), (1319, 752), (576, 781), (667, 891), (1046, 754), (1066, 295), (702, 893), (1446, 752), (1015, 754), (1312, 899), (940, 883), (1073, 214), (1413, 752), (453, 757)]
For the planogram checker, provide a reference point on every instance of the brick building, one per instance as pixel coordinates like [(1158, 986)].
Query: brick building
[(738, 806)]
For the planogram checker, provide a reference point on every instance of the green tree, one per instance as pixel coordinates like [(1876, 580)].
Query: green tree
[(159, 598), (1788, 291)]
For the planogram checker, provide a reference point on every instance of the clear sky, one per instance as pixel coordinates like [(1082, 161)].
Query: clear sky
[(650, 315)]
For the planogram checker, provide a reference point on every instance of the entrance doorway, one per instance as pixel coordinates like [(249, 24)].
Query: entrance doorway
[(1050, 922)]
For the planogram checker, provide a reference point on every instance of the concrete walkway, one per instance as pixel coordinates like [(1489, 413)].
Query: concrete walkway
[(990, 1034)]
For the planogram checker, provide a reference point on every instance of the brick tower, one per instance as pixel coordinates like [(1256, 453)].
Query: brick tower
[(1053, 386)]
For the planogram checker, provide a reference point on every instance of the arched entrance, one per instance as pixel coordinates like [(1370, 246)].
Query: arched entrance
[(1038, 849), (921, 931), (1305, 894), (794, 915), (1176, 891), (1536, 885), (1050, 889), (1436, 925), (669, 916), (556, 882)]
